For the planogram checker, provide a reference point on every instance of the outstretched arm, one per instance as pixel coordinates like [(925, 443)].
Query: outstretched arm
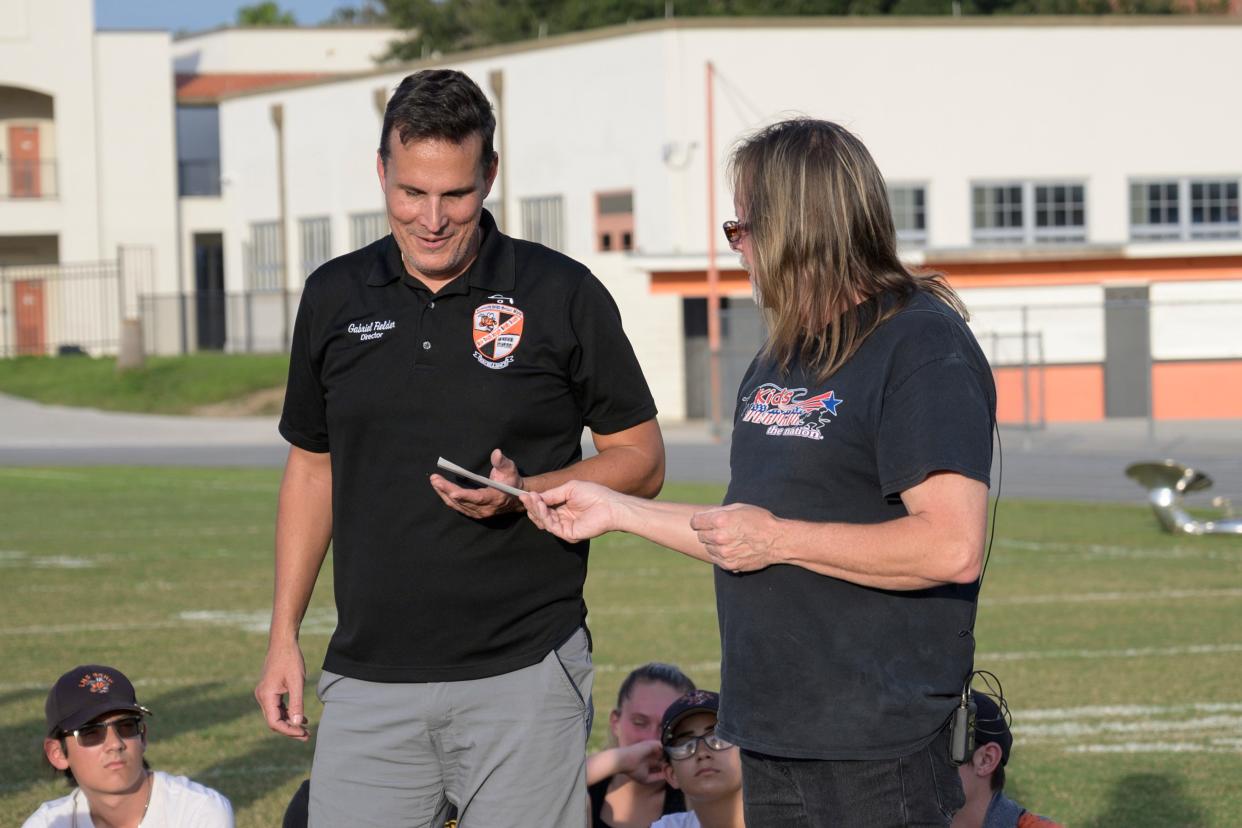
[(939, 541), (630, 461), (580, 510)]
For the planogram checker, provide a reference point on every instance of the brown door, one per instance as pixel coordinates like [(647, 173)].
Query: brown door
[(24, 162), (28, 302)]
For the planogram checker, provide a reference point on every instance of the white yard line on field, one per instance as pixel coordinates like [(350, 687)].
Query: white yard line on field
[(1200, 727), (1125, 652), (1155, 747), (1099, 597), (1088, 551)]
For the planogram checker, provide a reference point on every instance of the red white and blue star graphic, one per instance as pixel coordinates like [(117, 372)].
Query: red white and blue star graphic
[(788, 412)]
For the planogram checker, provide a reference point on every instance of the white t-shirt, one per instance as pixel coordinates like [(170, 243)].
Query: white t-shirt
[(686, 820), (176, 802)]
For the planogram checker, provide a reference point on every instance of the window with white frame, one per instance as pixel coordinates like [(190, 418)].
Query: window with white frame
[(316, 243), (998, 213), (908, 203), (265, 259), (365, 228), (1214, 209), (1184, 208), (1155, 210), (543, 221), (1028, 212), (1060, 213)]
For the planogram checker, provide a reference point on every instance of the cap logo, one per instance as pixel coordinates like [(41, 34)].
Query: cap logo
[(96, 682)]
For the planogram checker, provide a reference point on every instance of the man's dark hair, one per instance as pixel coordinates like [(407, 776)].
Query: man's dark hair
[(441, 104), (998, 778)]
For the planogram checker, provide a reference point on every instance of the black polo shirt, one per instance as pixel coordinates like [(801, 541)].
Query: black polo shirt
[(518, 353)]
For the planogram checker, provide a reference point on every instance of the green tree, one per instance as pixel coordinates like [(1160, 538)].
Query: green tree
[(264, 14), (452, 25), (366, 13)]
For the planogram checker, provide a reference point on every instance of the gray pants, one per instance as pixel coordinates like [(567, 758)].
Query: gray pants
[(508, 750)]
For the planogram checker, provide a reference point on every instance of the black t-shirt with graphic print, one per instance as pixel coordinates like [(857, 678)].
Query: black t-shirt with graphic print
[(819, 668), (518, 353)]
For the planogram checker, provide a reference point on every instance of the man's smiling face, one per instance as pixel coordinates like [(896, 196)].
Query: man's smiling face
[(434, 191)]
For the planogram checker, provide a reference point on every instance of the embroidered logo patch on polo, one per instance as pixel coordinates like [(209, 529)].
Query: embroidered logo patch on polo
[(497, 333), (788, 412)]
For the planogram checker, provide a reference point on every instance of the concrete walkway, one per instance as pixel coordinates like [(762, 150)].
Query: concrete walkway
[(1084, 461)]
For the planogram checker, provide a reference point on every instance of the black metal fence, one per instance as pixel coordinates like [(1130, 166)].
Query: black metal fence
[(73, 307), (59, 308), (237, 322)]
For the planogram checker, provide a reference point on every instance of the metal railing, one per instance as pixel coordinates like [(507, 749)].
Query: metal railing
[(28, 178), (198, 177), (66, 308), (241, 322), (75, 307)]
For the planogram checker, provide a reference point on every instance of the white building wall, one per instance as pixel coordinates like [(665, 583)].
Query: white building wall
[(49, 49), (325, 49), (994, 103), (1068, 321), (248, 176), (947, 104), (1196, 320), (653, 325), (137, 162), (589, 122), (950, 103)]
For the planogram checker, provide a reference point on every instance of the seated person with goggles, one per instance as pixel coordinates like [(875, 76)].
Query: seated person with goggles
[(703, 766), (97, 737)]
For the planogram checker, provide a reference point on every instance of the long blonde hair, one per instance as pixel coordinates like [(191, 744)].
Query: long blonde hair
[(822, 242)]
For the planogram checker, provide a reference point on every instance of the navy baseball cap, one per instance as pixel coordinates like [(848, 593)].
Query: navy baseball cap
[(991, 725), (86, 692), (696, 701)]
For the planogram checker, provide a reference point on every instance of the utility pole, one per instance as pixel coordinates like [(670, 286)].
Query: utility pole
[(713, 272)]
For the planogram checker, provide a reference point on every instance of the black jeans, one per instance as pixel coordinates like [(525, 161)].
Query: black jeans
[(920, 789)]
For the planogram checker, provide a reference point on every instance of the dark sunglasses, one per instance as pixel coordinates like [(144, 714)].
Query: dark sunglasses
[(734, 229), (94, 735), (686, 749)]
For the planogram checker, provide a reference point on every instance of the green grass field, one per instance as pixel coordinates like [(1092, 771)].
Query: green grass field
[(164, 385), (1119, 647)]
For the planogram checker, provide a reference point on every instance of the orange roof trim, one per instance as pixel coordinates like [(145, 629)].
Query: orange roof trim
[(212, 86)]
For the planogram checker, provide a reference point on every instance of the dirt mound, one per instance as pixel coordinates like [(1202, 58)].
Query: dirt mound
[(257, 404)]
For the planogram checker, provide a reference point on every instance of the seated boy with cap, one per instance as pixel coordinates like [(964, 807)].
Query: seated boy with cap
[(983, 776), (704, 767), (97, 735)]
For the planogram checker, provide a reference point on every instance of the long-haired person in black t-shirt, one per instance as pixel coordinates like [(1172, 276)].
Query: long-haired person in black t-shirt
[(851, 538)]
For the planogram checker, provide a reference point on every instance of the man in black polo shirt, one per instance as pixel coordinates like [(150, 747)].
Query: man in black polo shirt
[(460, 669)]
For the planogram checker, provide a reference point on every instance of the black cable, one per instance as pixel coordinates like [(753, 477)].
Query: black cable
[(987, 554), (997, 694)]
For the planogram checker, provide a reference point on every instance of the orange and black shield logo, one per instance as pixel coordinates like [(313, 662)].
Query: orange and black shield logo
[(497, 333)]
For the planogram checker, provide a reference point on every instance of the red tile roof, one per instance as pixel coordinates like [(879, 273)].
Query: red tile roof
[(211, 86)]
